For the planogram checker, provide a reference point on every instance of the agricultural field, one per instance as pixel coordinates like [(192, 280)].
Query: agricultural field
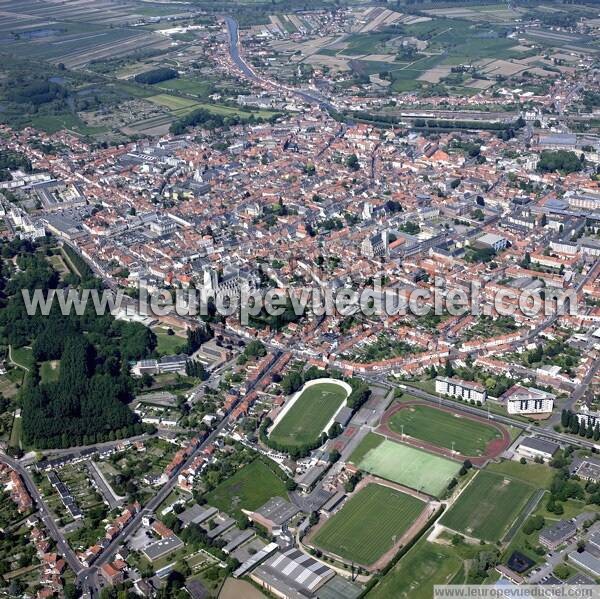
[(488, 506), (176, 104), (200, 89), (249, 488), (404, 465), (309, 415), (467, 437), (414, 576), (369, 524)]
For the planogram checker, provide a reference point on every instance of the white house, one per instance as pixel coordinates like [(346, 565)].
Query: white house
[(527, 400)]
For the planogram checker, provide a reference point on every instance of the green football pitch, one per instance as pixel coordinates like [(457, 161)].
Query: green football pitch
[(248, 488), (309, 415), (488, 506), (470, 437), (415, 575), (403, 464), (369, 524)]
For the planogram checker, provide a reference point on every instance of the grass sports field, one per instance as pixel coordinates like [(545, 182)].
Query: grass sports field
[(403, 464), (309, 415), (414, 576), (249, 488), (369, 523), (442, 428), (488, 506)]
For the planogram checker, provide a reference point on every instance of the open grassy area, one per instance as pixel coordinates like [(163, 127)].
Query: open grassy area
[(186, 86), (175, 103), (168, 344), (539, 475), (414, 576), (369, 524), (16, 432), (22, 356), (468, 437), (309, 415), (488, 506), (49, 371), (249, 488), (404, 464)]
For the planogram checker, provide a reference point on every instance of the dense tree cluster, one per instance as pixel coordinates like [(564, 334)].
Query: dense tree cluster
[(560, 160), (210, 120), (196, 337), (87, 403), (196, 369), (36, 92), (571, 423), (82, 267), (156, 75), (10, 160)]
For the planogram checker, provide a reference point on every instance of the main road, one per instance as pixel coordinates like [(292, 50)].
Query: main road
[(89, 577), (46, 517), (481, 412), (235, 53)]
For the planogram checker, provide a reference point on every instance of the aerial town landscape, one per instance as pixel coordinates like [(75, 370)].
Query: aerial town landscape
[(430, 170)]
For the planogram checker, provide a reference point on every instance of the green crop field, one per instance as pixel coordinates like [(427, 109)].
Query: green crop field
[(172, 102), (307, 418), (367, 525), (404, 464), (441, 428), (488, 506), (249, 488), (414, 576), (187, 86)]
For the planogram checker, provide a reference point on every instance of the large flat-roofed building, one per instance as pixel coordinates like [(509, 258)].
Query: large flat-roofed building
[(160, 548), (196, 515), (556, 535), (587, 561), (465, 389), (492, 241), (274, 514), (586, 469), (532, 447), (292, 575)]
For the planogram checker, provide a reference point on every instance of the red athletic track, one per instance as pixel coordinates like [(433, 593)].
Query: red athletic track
[(493, 450)]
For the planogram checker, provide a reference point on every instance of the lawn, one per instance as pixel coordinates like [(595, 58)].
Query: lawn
[(168, 344), (249, 488), (16, 432), (414, 576), (306, 419), (49, 371), (488, 506), (538, 475), (404, 464), (369, 524), (22, 356), (470, 437)]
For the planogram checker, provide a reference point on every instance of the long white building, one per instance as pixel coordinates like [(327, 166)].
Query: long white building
[(466, 390)]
